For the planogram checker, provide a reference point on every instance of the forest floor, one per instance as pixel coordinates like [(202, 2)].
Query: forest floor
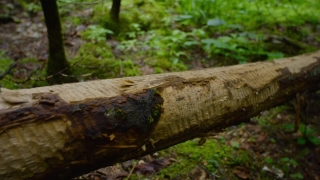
[(268, 147)]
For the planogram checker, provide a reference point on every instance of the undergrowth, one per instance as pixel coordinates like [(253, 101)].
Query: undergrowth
[(215, 32), (167, 36)]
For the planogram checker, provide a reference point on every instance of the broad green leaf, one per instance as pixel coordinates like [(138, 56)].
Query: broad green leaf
[(275, 55), (301, 141), (183, 17), (296, 176), (235, 144), (190, 43), (215, 22), (268, 160), (225, 39), (314, 140)]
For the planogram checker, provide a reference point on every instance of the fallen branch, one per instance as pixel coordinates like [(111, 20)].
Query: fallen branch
[(66, 130)]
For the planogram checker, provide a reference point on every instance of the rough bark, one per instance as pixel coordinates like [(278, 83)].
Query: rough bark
[(57, 61), (66, 130)]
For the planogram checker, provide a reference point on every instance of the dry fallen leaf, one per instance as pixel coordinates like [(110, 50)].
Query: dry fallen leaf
[(112, 136), (241, 172), (198, 173), (147, 168), (253, 128)]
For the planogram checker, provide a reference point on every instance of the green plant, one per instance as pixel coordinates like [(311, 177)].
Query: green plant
[(234, 19), (96, 33), (165, 64), (309, 133), (251, 14), (4, 59), (287, 163), (296, 176), (266, 116), (269, 160), (5, 63), (234, 144), (241, 47), (32, 8)]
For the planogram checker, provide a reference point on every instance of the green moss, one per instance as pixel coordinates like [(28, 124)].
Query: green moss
[(29, 60), (264, 119), (119, 113), (129, 68), (213, 155), (97, 60), (165, 64), (151, 120), (5, 61), (76, 21), (156, 108), (158, 70), (144, 13), (11, 82), (132, 12), (116, 112)]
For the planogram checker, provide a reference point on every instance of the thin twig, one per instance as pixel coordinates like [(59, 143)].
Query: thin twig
[(131, 171), (298, 110), (211, 175), (13, 65)]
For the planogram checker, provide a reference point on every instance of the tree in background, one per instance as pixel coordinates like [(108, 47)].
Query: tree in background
[(115, 10), (57, 61)]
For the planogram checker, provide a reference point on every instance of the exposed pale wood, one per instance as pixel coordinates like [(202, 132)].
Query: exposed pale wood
[(57, 136)]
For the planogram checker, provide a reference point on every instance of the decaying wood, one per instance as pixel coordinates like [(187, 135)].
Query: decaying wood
[(65, 130)]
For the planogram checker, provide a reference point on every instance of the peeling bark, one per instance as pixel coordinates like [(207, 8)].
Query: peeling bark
[(66, 130)]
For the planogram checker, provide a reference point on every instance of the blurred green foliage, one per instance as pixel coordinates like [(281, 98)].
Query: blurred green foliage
[(171, 35)]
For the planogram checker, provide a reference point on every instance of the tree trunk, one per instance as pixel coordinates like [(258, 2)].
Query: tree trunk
[(67, 130), (57, 61), (115, 10)]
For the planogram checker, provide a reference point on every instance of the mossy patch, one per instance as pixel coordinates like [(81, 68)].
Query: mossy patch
[(96, 61), (214, 155), (5, 61), (165, 64), (27, 73)]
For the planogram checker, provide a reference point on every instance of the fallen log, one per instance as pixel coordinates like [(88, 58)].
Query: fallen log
[(62, 131)]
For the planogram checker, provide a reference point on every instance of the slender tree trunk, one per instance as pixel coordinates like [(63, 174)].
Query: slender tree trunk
[(57, 61), (115, 10), (67, 130)]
